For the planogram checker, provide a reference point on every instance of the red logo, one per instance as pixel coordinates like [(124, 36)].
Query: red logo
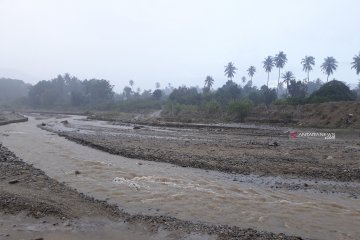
[(294, 134)]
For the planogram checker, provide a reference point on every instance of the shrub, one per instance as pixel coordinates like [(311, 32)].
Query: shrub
[(332, 91), (240, 109), (211, 107)]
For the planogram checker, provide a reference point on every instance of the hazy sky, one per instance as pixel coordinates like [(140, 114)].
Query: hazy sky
[(177, 41)]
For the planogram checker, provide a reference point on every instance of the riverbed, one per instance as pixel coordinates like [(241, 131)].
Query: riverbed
[(157, 188)]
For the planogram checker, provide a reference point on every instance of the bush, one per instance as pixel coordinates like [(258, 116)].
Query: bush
[(332, 91), (281, 101), (296, 100), (211, 107), (240, 108)]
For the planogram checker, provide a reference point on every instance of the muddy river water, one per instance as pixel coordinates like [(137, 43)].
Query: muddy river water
[(192, 194)]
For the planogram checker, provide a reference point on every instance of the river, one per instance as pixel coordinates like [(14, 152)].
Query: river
[(155, 188)]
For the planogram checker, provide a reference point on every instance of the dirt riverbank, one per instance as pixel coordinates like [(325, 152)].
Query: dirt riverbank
[(11, 117)]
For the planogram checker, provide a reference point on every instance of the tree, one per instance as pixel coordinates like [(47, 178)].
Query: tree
[(308, 62), (127, 92), (297, 89), (267, 95), (268, 66), (243, 79), (240, 108), (332, 91), (157, 94), (185, 95), (230, 70), (280, 60), (356, 63), (131, 82), (329, 66), (251, 71), (209, 82), (287, 77), (228, 92), (157, 85)]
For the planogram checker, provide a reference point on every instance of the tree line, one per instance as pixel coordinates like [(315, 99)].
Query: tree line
[(69, 91), (329, 66)]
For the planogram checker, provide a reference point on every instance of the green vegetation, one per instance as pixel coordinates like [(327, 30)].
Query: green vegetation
[(232, 101), (12, 91), (332, 91)]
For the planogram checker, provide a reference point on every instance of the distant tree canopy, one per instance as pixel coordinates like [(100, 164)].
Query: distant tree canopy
[(12, 89), (185, 95), (332, 91), (67, 91)]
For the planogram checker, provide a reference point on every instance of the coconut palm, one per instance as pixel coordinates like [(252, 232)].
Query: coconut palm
[(287, 77), (243, 79), (230, 70), (209, 82), (268, 66), (308, 62), (329, 66), (356, 63), (280, 60), (131, 82), (251, 72)]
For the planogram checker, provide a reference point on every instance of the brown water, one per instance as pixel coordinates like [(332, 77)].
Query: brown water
[(191, 194)]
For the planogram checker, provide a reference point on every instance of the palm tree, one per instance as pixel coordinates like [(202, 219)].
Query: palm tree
[(268, 66), (356, 63), (251, 72), (308, 62), (287, 77), (209, 82), (243, 79), (329, 66), (131, 82), (230, 70), (280, 61)]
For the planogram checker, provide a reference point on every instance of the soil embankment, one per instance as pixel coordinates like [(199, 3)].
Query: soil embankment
[(321, 115)]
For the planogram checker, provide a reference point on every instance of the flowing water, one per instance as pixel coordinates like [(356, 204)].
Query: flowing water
[(191, 194)]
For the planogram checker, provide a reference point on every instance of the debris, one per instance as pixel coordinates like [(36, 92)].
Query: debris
[(43, 124), (137, 127), (77, 172), (65, 122), (275, 144), (14, 181)]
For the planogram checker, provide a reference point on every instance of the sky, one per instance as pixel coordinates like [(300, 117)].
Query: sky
[(173, 41)]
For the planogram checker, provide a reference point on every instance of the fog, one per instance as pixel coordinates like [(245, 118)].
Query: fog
[(178, 42)]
